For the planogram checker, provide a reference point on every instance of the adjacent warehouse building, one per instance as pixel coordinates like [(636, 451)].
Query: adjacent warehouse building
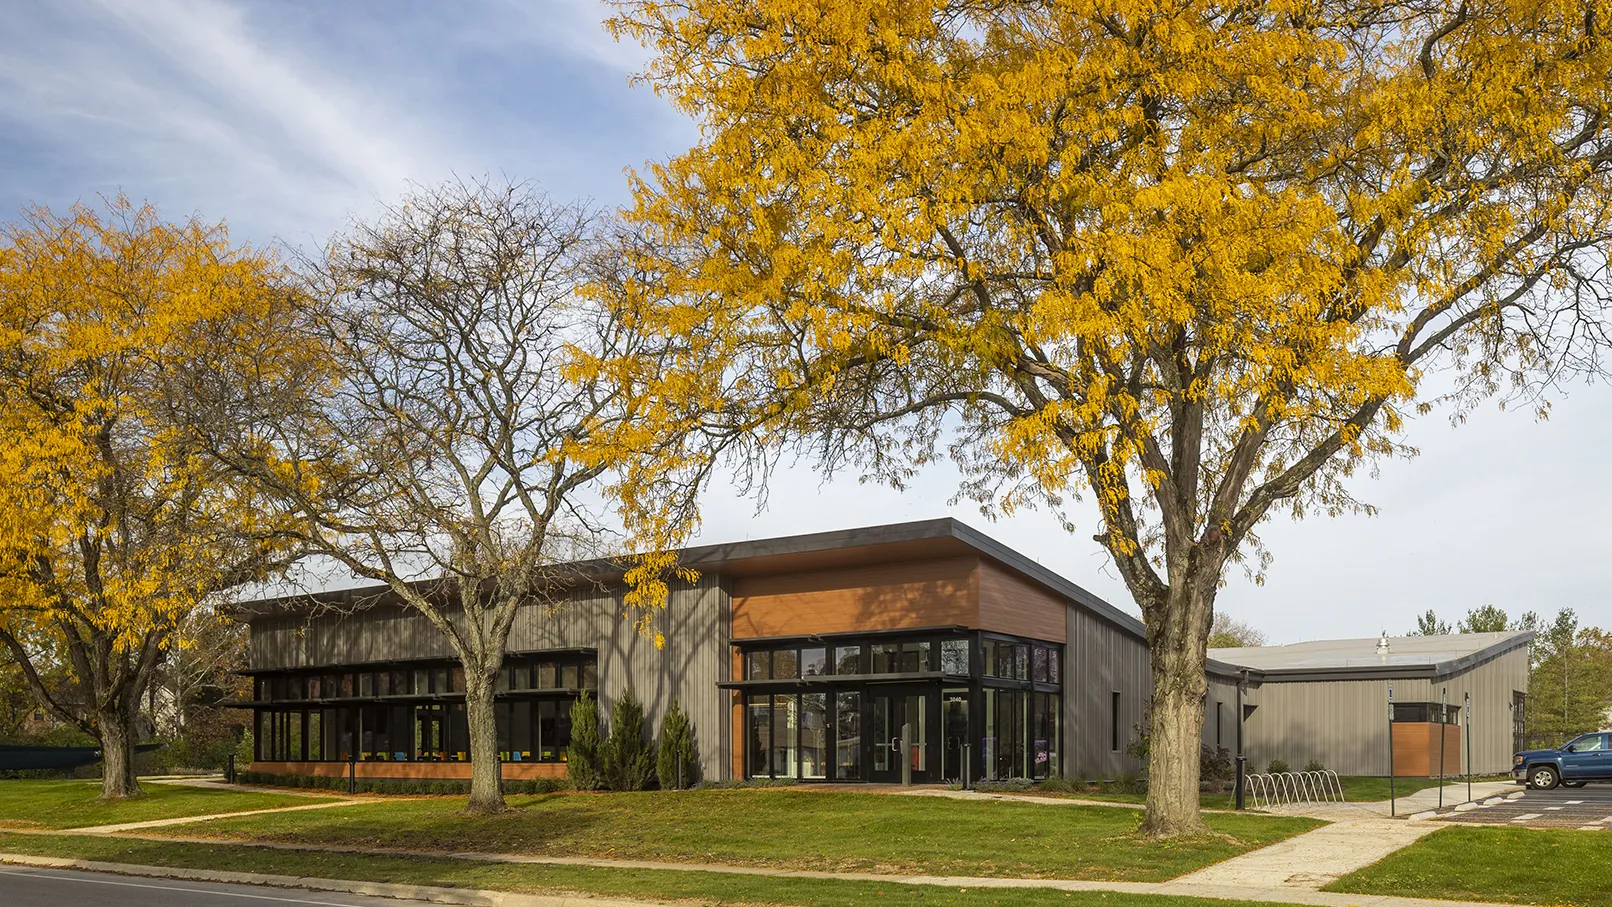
[(842, 656), (1329, 701)]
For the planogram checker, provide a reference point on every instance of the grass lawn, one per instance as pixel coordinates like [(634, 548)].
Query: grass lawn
[(1521, 865), (661, 885), (77, 804), (1368, 789), (864, 832)]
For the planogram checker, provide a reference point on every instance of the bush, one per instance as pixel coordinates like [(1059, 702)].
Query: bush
[(1314, 765), (582, 756), (395, 786), (1277, 767), (1005, 786), (1057, 785), (1215, 766), (627, 759), (677, 748)]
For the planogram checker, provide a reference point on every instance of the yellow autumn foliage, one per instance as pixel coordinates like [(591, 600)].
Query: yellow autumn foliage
[(113, 523)]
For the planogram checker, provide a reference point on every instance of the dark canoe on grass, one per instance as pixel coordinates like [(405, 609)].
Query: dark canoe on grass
[(14, 758)]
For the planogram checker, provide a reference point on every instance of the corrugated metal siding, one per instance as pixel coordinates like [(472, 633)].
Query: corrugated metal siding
[(1220, 714), (1344, 723), (695, 624), (1100, 659)]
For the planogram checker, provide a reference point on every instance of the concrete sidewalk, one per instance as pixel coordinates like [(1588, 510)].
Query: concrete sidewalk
[(1315, 858), (1179, 887)]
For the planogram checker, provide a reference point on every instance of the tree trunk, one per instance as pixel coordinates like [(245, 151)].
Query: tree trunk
[(486, 793), (1178, 637), (116, 731)]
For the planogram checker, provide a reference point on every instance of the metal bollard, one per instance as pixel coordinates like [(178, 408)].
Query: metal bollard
[(1242, 782)]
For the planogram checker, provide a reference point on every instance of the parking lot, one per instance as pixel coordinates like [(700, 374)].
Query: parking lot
[(1588, 808)]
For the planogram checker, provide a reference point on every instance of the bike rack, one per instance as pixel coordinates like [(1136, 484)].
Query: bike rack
[(1266, 790)]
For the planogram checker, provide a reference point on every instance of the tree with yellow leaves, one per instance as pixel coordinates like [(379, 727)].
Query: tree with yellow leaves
[(1196, 260), (113, 526)]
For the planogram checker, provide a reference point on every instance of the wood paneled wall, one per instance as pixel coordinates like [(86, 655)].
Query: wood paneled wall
[(882, 597), (1009, 603), (1416, 749)]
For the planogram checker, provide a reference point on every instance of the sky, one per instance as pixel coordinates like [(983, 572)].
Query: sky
[(289, 119)]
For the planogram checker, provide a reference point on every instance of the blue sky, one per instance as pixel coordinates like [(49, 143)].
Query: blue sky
[(288, 118)]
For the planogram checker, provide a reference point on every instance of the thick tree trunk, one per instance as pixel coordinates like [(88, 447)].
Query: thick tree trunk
[(1178, 637), (116, 731), (486, 793)]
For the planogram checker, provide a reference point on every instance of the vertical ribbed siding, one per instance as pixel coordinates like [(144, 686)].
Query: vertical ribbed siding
[(688, 668), (1099, 660), (1344, 723)]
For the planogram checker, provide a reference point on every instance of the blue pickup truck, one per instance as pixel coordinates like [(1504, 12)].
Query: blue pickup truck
[(1584, 759)]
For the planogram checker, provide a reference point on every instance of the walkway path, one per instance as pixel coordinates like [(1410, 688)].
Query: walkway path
[(1179, 887), (186, 820), (1315, 858)]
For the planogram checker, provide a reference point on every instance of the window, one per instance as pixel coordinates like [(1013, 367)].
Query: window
[(1054, 671), (785, 664), (1038, 665), (814, 752), (914, 657), (1021, 662), (758, 666), (848, 736), (847, 659), (954, 657), (548, 675), (1113, 715), (885, 655), (1220, 723), (813, 662)]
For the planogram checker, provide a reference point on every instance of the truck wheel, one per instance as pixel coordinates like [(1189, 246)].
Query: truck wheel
[(1573, 783), (1543, 777)]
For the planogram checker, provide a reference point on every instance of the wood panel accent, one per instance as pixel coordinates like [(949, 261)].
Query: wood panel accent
[(882, 597), (1416, 749), (434, 771), (1010, 603)]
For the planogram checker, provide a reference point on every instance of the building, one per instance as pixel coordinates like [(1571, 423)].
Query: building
[(1328, 701), (842, 656)]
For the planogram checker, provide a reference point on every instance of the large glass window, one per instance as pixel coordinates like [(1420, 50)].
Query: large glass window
[(814, 752), (847, 659), (915, 656), (886, 657), (813, 662), (758, 736), (848, 736), (954, 657)]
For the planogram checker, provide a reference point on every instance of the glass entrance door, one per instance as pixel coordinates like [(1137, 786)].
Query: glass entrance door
[(954, 732), (891, 710)]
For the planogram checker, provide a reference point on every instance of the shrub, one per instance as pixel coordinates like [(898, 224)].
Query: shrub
[(627, 760), (677, 749), (1277, 767), (1314, 765), (1215, 766), (1005, 786), (582, 765), (1057, 785)]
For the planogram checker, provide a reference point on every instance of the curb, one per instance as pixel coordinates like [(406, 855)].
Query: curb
[(470, 897)]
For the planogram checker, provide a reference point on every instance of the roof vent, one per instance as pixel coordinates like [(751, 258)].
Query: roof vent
[(1382, 645)]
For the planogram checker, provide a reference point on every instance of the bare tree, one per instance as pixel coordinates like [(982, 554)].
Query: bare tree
[(463, 430)]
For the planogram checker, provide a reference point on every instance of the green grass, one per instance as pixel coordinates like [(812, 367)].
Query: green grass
[(863, 832), (77, 804), (1368, 789), (1520, 865), (660, 885), (1205, 801)]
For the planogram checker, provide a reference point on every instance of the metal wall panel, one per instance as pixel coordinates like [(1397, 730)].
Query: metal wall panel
[(1099, 660), (688, 668), (1344, 723)]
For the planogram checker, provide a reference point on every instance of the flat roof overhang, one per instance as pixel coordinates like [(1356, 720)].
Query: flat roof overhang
[(893, 543)]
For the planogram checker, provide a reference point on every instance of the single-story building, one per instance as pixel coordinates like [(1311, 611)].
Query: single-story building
[(804, 657), (1328, 700)]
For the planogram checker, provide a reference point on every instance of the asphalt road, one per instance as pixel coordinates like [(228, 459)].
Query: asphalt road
[(1586, 807), (21, 886)]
